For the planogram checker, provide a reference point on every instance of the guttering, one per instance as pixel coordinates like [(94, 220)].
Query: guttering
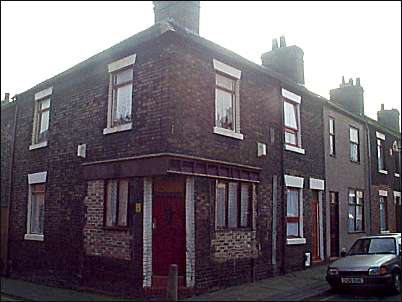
[(369, 172)]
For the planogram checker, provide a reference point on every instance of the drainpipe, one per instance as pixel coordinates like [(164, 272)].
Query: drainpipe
[(282, 194), (10, 189), (369, 173)]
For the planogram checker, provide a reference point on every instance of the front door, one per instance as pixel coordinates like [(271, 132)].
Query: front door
[(334, 220), (168, 233), (315, 236)]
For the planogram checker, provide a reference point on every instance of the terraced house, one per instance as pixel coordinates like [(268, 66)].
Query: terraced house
[(193, 155)]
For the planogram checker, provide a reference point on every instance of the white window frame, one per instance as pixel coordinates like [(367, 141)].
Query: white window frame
[(40, 96), (33, 179), (298, 183), (235, 74), (113, 68), (294, 99)]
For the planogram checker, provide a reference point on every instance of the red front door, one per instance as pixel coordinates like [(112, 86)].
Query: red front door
[(315, 229), (168, 234)]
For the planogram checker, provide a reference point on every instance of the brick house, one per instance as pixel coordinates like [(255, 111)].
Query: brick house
[(194, 156)]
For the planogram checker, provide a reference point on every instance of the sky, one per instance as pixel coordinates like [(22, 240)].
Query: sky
[(352, 39)]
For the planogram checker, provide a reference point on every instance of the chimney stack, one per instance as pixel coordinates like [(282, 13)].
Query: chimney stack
[(349, 96), (287, 60), (183, 13), (389, 118)]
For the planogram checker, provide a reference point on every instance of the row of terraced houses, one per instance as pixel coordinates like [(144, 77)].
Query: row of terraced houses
[(168, 148)]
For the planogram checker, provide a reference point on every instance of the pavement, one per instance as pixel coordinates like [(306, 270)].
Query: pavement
[(305, 285), (295, 286)]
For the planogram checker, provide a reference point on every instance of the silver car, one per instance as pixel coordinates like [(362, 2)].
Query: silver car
[(372, 262)]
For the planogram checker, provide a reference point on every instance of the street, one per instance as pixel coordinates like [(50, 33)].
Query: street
[(355, 296)]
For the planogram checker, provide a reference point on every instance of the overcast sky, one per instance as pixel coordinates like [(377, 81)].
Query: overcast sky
[(354, 39)]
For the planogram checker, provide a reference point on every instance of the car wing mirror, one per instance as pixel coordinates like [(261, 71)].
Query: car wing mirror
[(343, 253)]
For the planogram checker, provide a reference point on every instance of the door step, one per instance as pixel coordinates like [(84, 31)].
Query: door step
[(162, 281), (160, 292)]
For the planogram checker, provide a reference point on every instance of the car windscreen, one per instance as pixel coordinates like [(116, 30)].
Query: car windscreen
[(369, 246)]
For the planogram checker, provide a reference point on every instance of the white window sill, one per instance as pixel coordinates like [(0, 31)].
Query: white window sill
[(119, 128), (38, 145), (229, 133), (295, 149), (382, 171), (396, 175), (384, 232), (291, 241), (35, 237)]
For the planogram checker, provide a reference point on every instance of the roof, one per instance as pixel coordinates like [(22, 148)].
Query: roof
[(159, 29)]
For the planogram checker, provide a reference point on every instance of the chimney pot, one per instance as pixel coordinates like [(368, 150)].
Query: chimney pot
[(382, 106), (357, 81), (274, 44), (7, 97), (282, 41), (351, 81)]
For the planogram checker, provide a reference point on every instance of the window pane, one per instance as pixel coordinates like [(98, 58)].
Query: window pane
[(124, 76), (225, 82), (293, 203), (122, 112), (44, 122), (290, 138), (351, 218), (359, 197), (352, 196), (224, 109), (290, 115), (292, 229), (331, 145), (233, 205), (245, 205), (37, 213), (380, 155), (220, 211), (111, 198), (123, 200), (44, 104), (354, 155), (331, 126), (383, 226), (359, 218), (354, 135)]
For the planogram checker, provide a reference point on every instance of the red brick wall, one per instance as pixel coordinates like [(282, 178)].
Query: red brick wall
[(99, 241)]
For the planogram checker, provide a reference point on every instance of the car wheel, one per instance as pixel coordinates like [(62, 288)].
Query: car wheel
[(396, 282)]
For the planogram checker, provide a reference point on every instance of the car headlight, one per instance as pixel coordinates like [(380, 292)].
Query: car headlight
[(332, 271), (382, 270)]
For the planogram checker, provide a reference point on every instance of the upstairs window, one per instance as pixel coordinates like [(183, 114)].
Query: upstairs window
[(122, 93), (380, 155), (354, 144), (355, 211), (332, 136), (41, 118), (291, 112), (120, 99), (233, 205), (227, 100), (116, 203), (291, 121)]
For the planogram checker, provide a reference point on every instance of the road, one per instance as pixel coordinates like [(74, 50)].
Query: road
[(355, 296)]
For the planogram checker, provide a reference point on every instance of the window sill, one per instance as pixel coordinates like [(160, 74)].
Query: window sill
[(229, 133), (356, 232), (119, 128), (295, 149), (239, 229), (384, 232), (35, 237), (396, 175), (292, 241), (382, 171), (355, 162), (115, 228), (38, 145)]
